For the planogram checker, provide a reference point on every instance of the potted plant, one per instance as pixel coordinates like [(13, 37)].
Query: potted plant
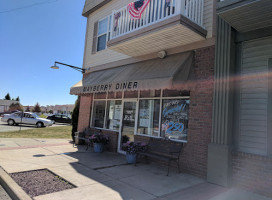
[(99, 140), (131, 149)]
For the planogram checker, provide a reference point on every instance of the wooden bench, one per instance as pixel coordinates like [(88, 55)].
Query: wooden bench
[(164, 150), (84, 137)]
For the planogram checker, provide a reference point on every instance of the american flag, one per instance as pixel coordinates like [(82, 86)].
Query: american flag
[(135, 12)]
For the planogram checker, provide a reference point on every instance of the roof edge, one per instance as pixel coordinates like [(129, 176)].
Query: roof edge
[(91, 6)]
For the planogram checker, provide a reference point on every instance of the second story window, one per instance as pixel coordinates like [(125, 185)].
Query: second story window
[(103, 33)]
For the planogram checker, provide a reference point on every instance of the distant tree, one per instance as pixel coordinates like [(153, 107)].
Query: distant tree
[(27, 109), (51, 111), (37, 108), (7, 97), (13, 99), (18, 98), (16, 106), (75, 118)]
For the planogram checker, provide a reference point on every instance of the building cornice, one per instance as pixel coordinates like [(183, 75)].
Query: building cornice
[(93, 5), (172, 51)]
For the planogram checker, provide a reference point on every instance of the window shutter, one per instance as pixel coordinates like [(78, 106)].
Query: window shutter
[(94, 47)]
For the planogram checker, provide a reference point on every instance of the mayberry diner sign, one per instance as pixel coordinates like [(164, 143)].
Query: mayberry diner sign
[(119, 86), (111, 87)]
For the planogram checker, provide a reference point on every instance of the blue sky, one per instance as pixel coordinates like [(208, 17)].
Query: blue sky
[(34, 34)]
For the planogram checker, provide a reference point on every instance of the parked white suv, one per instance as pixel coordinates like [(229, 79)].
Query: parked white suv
[(26, 118)]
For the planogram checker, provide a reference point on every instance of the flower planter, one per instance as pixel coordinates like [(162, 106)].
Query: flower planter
[(131, 158), (98, 147)]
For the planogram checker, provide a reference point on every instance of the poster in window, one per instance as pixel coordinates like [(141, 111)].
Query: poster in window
[(117, 112), (129, 115), (111, 112), (144, 117), (175, 118)]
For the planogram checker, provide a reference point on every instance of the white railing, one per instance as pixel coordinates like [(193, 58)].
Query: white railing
[(156, 11)]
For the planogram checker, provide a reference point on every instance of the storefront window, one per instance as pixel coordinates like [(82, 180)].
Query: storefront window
[(173, 111), (114, 109), (148, 120), (99, 114), (175, 119)]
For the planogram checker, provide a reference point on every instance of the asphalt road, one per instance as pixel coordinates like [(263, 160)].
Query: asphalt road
[(4, 127)]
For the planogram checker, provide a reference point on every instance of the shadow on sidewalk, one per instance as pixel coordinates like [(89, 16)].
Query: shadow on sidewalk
[(143, 181)]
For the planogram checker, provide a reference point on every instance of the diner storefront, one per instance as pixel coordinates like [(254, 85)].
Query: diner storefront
[(160, 98), (155, 113)]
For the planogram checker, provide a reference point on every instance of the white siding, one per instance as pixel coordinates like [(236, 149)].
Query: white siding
[(208, 17), (2, 108), (254, 96), (108, 56), (105, 56)]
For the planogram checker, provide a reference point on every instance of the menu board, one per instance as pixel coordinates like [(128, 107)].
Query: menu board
[(175, 118)]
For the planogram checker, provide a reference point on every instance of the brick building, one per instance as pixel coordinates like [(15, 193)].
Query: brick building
[(167, 74), (152, 76)]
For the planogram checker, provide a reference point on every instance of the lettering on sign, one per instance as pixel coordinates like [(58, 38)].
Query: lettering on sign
[(111, 87)]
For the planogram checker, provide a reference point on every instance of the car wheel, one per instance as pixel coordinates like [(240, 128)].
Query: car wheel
[(11, 122), (39, 124), (53, 121)]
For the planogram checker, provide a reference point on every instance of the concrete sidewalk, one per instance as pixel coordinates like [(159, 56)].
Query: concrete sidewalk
[(106, 175)]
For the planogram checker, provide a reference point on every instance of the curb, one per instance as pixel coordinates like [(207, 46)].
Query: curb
[(11, 187)]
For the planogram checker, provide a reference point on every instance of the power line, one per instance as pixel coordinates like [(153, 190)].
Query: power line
[(29, 6)]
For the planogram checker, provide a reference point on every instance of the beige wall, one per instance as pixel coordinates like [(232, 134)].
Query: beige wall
[(91, 4), (108, 56), (4, 104)]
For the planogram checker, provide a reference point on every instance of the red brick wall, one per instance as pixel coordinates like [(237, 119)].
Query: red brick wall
[(252, 172), (84, 112), (195, 155), (113, 138), (139, 138)]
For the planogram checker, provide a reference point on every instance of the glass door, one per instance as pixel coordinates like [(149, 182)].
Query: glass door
[(128, 123)]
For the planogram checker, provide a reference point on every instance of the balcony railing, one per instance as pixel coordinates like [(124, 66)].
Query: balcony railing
[(156, 11)]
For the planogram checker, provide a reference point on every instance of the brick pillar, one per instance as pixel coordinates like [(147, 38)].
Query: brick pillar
[(84, 112), (195, 155)]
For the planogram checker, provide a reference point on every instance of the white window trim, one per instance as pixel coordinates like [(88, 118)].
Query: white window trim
[(107, 32)]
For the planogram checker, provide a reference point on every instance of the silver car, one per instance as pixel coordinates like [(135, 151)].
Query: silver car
[(26, 118)]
